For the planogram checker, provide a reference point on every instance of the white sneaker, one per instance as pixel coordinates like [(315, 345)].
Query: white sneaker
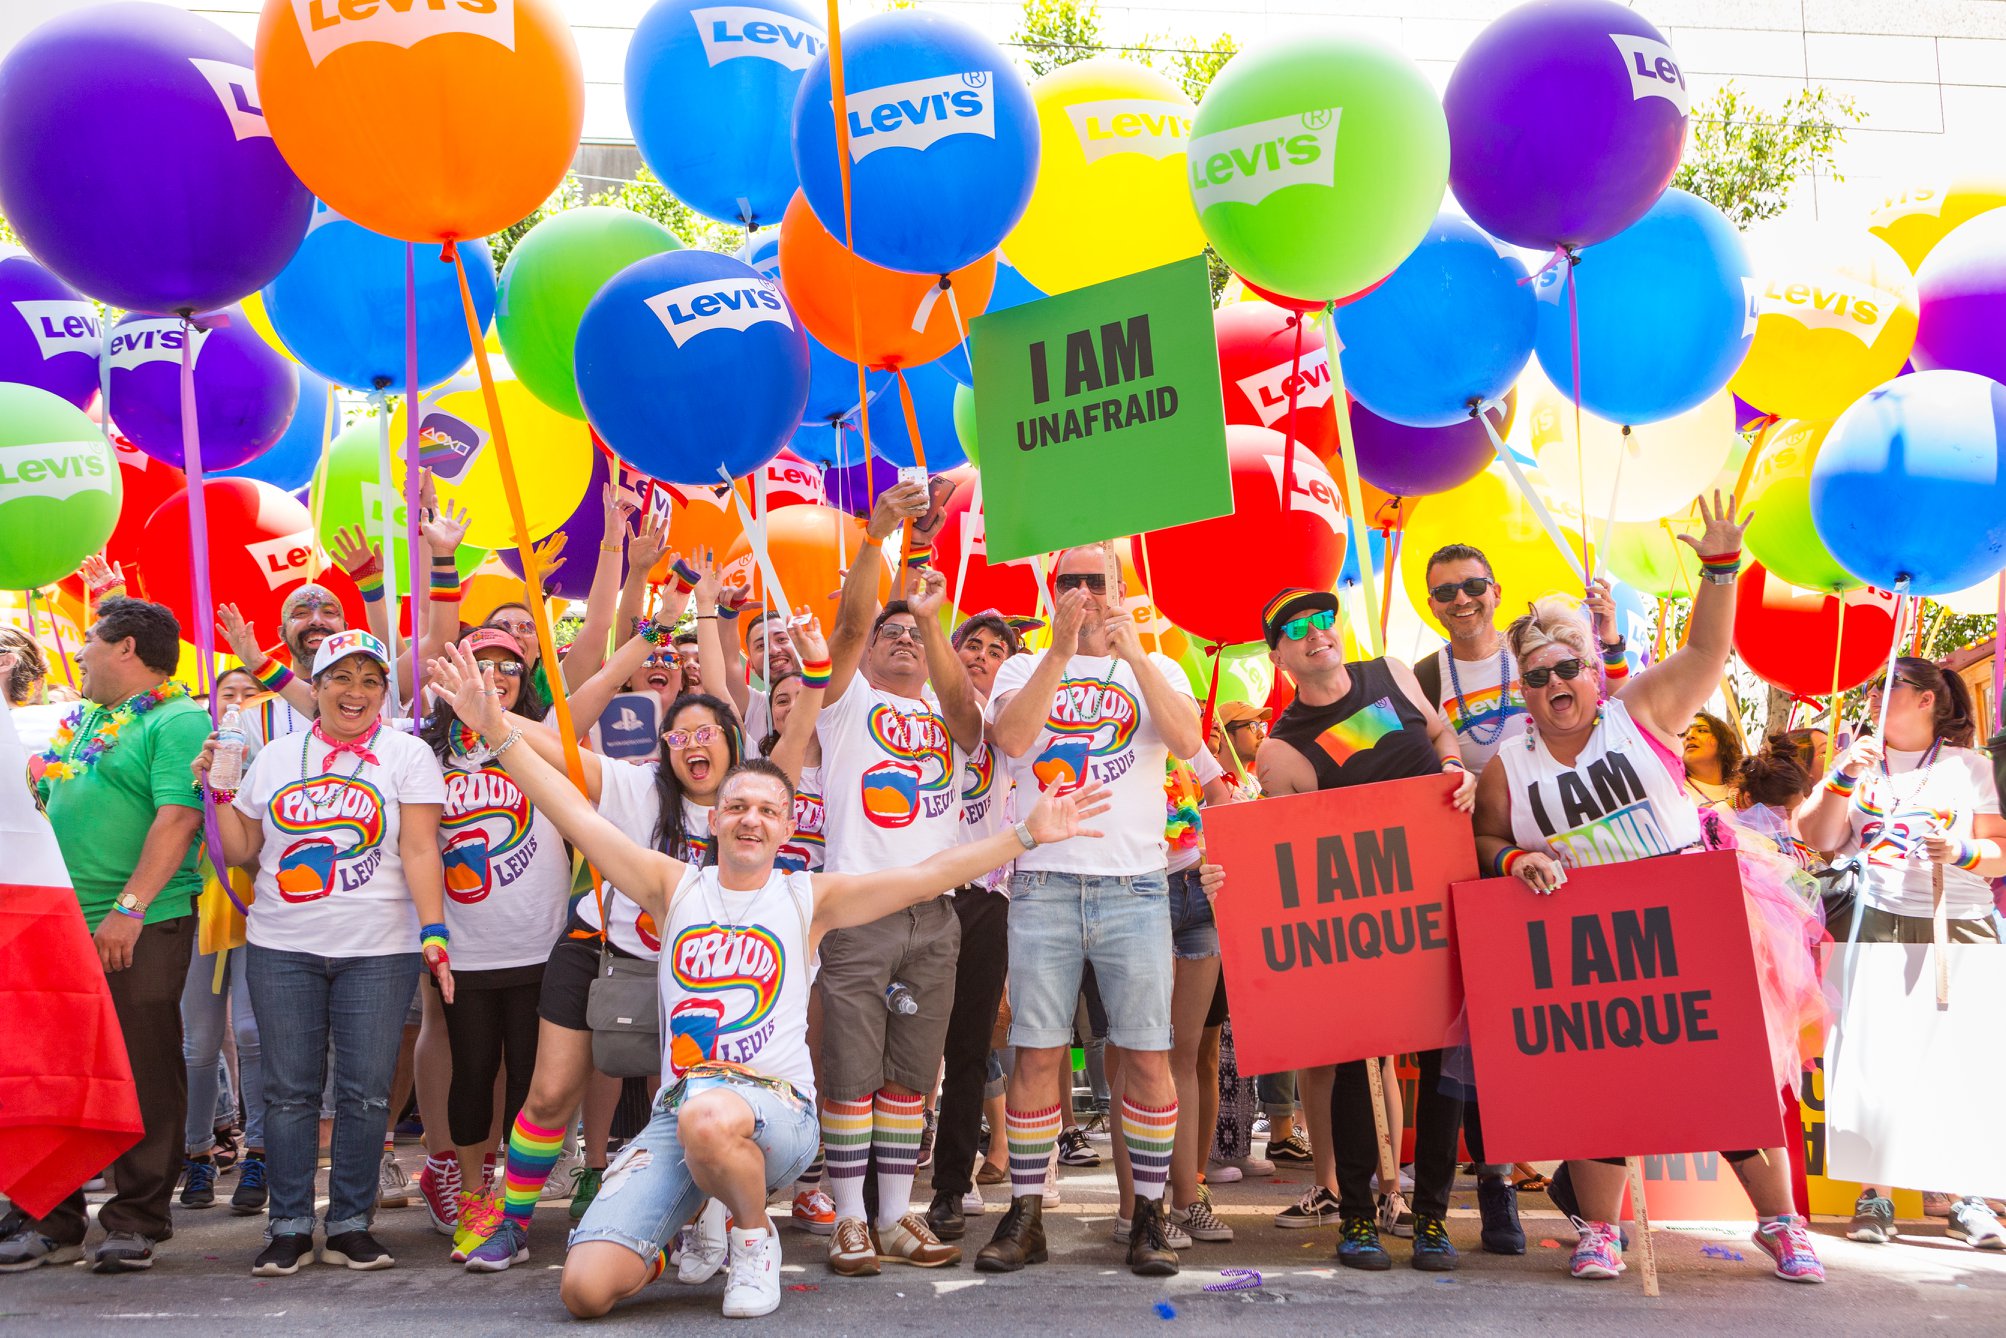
[(557, 1188), (1221, 1173), (753, 1288), (1052, 1199), (705, 1247), (1249, 1164), (393, 1187), (972, 1204), (1406, 1180)]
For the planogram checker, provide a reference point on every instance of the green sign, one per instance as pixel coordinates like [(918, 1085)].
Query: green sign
[(1099, 413)]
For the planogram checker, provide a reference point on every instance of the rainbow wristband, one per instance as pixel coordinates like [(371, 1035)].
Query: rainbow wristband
[(920, 556), (445, 581), (370, 583), (433, 936), (1721, 564), (273, 677), (1841, 784), (1968, 855), (815, 673), (686, 576), (1508, 859)]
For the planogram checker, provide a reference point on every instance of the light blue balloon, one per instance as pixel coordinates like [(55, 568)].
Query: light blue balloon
[(1911, 483), (832, 378), (1452, 326), (290, 462), (1636, 620), (710, 97), (339, 305), (690, 361), (933, 406), (1349, 576), (943, 142), (1012, 290), (1666, 316)]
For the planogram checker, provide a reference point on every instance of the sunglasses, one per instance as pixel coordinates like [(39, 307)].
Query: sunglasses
[(1295, 629), (900, 631), (684, 738), (1881, 683), (1539, 678), (662, 661), (1076, 580), (520, 628), (506, 668), (1474, 588)]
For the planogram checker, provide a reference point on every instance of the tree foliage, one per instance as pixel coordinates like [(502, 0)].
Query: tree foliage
[(645, 195), (1052, 33), (1745, 160)]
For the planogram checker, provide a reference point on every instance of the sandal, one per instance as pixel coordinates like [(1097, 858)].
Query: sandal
[(1532, 1184)]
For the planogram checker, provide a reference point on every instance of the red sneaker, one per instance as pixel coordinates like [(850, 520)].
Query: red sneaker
[(439, 1186)]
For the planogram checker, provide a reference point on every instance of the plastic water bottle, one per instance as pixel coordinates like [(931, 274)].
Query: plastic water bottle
[(226, 768), (900, 999)]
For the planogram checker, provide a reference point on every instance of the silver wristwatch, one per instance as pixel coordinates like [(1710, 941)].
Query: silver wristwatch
[(1023, 831)]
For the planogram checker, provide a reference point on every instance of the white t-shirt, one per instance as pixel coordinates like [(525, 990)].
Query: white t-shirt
[(37, 723), (888, 780), (758, 716), (508, 875), (1208, 770), (330, 878), (1484, 709), (630, 801), (1890, 814), (269, 716), (1098, 723), (803, 851)]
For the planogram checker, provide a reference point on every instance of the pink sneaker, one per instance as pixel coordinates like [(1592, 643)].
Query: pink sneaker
[(1787, 1242), (439, 1186), (1599, 1255)]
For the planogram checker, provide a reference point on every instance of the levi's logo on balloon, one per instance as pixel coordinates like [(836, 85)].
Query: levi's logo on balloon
[(745, 30), (1248, 163), (917, 114), (282, 558), (329, 25), (1654, 71), (1831, 302), (1314, 491), (718, 304), (1268, 391), (1131, 125), (237, 90), (62, 325), (54, 469), (154, 339)]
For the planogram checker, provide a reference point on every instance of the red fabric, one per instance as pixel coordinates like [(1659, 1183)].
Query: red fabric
[(68, 1108)]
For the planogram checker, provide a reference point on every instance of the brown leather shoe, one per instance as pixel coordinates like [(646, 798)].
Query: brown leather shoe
[(852, 1253), (1149, 1252), (911, 1241), (991, 1174), (1019, 1239)]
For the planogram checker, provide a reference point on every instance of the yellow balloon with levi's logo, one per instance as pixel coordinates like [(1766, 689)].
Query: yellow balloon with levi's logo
[(1836, 316), (1111, 198), (1913, 220)]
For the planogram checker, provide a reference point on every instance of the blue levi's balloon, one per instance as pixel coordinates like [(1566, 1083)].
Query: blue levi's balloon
[(943, 142), (832, 378), (933, 406), (1911, 482), (1012, 290), (1666, 314), (1450, 327), (710, 96), (339, 305), (290, 462), (688, 362)]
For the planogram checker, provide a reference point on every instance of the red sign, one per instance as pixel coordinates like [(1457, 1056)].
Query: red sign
[(1334, 925), (1619, 1015)]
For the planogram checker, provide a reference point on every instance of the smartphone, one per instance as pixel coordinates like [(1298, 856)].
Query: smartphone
[(915, 475)]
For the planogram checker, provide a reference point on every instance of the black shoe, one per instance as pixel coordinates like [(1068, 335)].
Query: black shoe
[(944, 1215), (251, 1189), (283, 1257), (198, 1182), (357, 1250), (123, 1252), (1019, 1238), (1149, 1252), (1432, 1251), (1359, 1246), (1497, 1202)]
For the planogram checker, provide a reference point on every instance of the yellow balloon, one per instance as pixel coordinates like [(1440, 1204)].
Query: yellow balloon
[(1838, 317), (551, 452), (1663, 465), (261, 323), (1976, 601), (1491, 513), (1915, 220), (1111, 197), (1156, 632)]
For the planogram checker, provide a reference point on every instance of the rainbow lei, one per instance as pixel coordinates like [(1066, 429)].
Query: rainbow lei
[(63, 760), (1181, 797)]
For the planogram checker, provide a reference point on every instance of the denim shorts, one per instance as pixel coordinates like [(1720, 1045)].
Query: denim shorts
[(1061, 921), (1193, 935), (647, 1192)]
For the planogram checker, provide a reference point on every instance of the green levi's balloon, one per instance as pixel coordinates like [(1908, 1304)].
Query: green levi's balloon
[(1648, 557), (1317, 162), (59, 488), (1781, 536), (964, 422), (343, 486), (550, 276)]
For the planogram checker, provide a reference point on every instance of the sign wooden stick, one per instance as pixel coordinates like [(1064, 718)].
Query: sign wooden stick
[(1389, 1164), (1940, 936), (1647, 1254)]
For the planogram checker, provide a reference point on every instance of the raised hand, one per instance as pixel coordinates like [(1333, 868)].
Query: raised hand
[(709, 585), (926, 592), (1124, 638), (445, 529), (895, 506), (549, 557), (469, 686), (809, 642), (1720, 531), (353, 552), (616, 504), (243, 640), (1602, 611), (1069, 614), (1860, 756), (1057, 817), (645, 549), (101, 577)]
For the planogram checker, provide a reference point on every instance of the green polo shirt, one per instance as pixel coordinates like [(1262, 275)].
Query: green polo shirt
[(102, 816)]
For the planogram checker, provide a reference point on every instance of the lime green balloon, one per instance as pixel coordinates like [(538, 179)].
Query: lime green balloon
[(59, 488), (964, 423), (1781, 536), (345, 488), (1318, 162), (550, 276), (1648, 557)]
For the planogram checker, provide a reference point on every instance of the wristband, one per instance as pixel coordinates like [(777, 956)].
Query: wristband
[(1720, 564), (1841, 784), (433, 936), (651, 631), (139, 914), (444, 560), (446, 583), (920, 556), (106, 586), (1508, 859), (370, 583), (273, 677), (815, 673), (1453, 762), (1967, 855), (686, 576), (369, 566), (872, 541), (727, 612)]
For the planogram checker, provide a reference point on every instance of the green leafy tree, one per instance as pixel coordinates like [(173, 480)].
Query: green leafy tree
[(644, 195), (1053, 33), (1745, 160), (1194, 65)]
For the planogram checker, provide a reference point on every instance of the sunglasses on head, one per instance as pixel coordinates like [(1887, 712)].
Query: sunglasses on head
[(1295, 629), (684, 738), (1539, 678), (1075, 580), (521, 627), (1474, 588)]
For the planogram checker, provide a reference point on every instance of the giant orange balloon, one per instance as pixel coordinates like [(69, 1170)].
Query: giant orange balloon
[(429, 120), (700, 519), (907, 319), (809, 546)]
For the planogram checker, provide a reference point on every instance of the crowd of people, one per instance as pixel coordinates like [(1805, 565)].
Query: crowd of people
[(865, 896)]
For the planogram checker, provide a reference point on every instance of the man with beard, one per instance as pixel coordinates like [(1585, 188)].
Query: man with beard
[(309, 615)]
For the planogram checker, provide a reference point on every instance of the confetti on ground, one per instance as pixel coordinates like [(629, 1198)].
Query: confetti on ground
[(1445, 1282), (1549, 1245), (1235, 1280), (1720, 1252), (802, 1287), (1165, 1310)]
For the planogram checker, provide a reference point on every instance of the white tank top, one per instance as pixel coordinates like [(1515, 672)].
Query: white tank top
[(735, 975), (1617, 802)]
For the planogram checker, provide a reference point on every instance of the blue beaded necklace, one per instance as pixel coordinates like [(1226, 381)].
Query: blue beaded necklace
[(1493, 729)]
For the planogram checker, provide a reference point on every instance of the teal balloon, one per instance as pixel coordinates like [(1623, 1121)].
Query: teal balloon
[(59, 487)]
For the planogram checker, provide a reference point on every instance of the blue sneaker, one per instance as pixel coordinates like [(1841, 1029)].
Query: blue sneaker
[(508, 1245), (1360, 1248), (1432, 1251), (251, 1187), (198, 1187)]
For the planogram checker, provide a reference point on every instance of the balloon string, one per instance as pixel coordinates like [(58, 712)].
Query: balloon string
[(1392, 556), (1623, 449), (1894, 654), (1212, 694), (1295, 384), (838, 106), (414, 551), (316, 558), (386, 490), (198, 559), (1838, 649), (1574, 353), (1999, 656), (55, 630), (755, 538), (966, 547), (918, 458), (1533, 500), (954, 310), (842, 531), (1349, 450)]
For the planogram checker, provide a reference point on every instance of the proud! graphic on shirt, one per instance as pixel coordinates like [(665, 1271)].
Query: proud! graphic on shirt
[(918, 779), (978, 778), (486, 821), (1091, 718), (804, 849), (336, 825), (736, 971)]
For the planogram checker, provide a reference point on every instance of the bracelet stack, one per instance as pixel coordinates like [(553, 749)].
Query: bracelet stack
[(1841, 784), (1615, 665), (445, 581), (815, 673), (651, 631), (274, 676), (506, 743), (1720, 567)]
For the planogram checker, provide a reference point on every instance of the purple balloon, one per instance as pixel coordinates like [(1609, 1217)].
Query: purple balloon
[(856, 488), (1566, 121), (135, 161), (1961, 295), (1416, 461), (52, 338), (245, 390), (582, 531)]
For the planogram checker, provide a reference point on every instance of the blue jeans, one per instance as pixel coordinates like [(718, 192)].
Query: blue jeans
[(357, 1004), (1193, 934), (1059, 922), (648, 1193), (202, 1017)]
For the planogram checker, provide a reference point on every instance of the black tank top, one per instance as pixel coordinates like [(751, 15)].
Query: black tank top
[(1372, 733)]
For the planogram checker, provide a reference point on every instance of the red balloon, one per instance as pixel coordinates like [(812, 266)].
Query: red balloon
[(1257, 351), (148, 483), (261, 544), (1787, 637), (790, 481), (1203, 575), (1008, 587)]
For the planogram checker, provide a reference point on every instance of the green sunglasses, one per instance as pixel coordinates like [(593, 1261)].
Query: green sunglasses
[(1295, 629)]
